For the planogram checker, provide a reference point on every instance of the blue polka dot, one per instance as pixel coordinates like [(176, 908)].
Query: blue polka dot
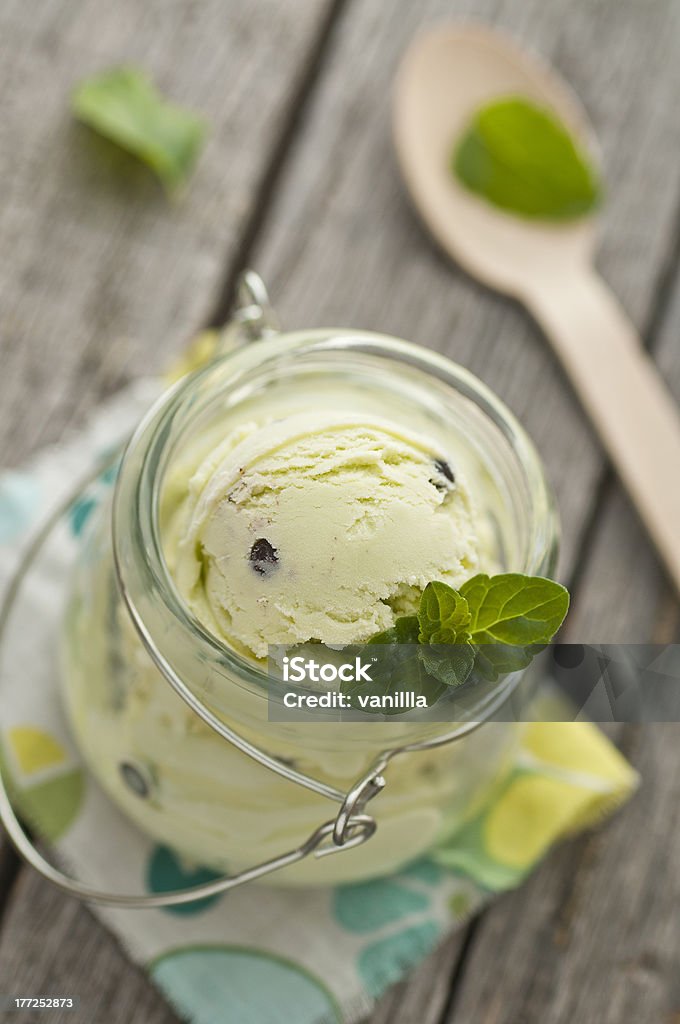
[(166, 872), (384, 962), (370, 905), (108, 476), (79, 513), (19, 504), (212, 984), (423, 870)]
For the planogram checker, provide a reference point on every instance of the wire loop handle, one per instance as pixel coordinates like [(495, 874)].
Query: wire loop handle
[(253, 319)]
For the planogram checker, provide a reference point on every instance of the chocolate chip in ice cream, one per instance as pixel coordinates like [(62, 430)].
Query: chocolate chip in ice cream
[(443, 467), (263, 556), (444, 470)]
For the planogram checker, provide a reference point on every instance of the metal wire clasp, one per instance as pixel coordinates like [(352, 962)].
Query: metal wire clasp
[(252, 320), (354, 803), (253, 317)]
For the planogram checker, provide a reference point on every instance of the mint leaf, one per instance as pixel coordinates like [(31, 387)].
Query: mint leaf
[(521, 158), (443, 615), (123, 105), (514, 609), (398, 669), (404, 631), (450, 664), (495, 660), (492, 626), (444, 618), (424, 670)]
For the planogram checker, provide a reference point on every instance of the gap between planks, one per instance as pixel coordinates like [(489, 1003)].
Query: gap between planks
[(274, 168)]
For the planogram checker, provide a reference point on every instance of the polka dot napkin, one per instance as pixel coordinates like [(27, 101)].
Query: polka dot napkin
[(257, 955)]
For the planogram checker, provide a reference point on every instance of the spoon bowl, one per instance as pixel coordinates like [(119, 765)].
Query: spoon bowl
[(446, 75)]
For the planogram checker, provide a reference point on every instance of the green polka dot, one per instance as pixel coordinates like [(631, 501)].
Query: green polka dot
[(47, 789), (466, 851), (460, 904), (385, 961), (108, 476), (487, 873), (166, 872), (79, 513), (423, 870), (210, 984), (370, 905)]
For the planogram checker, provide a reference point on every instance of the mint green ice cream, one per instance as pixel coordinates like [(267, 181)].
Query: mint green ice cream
[(318, 526)]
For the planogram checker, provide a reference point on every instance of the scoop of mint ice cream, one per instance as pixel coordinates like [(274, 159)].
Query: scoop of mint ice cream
[(317, 527)]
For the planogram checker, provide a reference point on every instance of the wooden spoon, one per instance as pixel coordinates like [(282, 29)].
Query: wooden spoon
[(444, 77)]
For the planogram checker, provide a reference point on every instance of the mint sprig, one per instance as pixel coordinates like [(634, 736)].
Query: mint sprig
[(492, 626)]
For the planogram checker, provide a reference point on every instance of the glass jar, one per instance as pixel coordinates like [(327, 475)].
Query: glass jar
[(171, 773)]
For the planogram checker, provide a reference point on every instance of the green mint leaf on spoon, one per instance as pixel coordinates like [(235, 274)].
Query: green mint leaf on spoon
[(123, 105), (521, 158)]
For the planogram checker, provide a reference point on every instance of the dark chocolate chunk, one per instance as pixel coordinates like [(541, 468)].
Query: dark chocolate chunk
[(263, 557), (135, 778), (443, 467), (446, 472)]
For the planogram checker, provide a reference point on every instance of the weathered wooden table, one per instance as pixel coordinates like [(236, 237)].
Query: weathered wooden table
[(101, 279)]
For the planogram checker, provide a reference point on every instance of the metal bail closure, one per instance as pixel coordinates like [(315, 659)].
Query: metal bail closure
[(354, 803), (253, 319)]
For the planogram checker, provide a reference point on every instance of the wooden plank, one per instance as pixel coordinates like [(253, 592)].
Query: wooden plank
[(52, 945), (594, 934), (101, 276), (400, 283), (616, 959), (102, 279), (343, 247), (422, 998)]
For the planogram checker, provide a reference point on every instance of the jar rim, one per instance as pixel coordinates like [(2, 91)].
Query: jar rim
[(144, 578)]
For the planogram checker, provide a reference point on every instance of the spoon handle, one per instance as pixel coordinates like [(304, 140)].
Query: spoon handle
[(622, 391)]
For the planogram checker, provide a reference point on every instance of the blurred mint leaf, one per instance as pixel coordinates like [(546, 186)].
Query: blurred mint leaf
[(123, 105), (495, 660), (404, 631), (450, 664), (521, 158), (398, 669), (443, 615), (514, 609)]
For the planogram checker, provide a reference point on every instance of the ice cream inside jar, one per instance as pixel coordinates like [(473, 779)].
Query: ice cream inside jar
[(319, 526), (306, 487)]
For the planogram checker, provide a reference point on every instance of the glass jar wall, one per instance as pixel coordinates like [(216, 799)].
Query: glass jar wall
[(128, 634)]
